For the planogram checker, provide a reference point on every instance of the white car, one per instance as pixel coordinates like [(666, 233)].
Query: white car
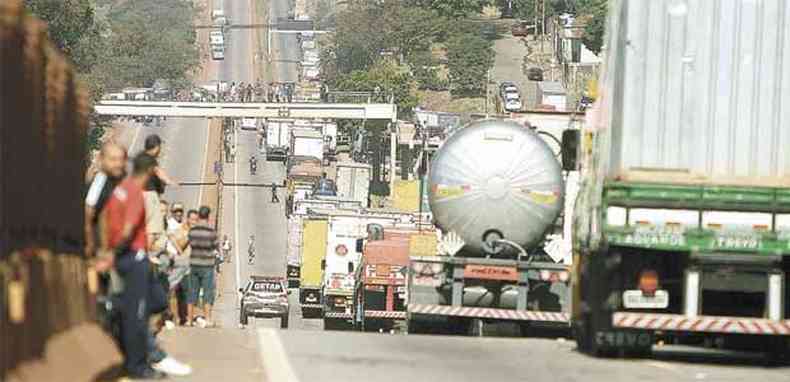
[(218, 52), (216, 37), (513, 105), (249, 124)]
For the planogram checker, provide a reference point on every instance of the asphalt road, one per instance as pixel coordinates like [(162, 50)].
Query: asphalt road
[(285, 46)]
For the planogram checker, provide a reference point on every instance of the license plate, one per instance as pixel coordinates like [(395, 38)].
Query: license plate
[(635, 299)]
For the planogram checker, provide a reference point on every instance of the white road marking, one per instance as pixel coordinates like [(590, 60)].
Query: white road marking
[(203, 166), (236, 208), (662, 365), (134, 140), (276, 366)]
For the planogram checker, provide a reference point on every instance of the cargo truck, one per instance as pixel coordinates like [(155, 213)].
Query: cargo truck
[(682, 225), (307, 142), (277, 139), (380, 280), (347, 232), (495, 190), (353, 181), (314, 232), (301, 209)]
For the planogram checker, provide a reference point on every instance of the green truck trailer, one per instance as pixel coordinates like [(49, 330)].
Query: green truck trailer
[(682, 224)]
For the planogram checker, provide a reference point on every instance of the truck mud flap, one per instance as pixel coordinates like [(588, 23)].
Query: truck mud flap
[(385, 314), (489, 313), (341, 315), (708, 324)]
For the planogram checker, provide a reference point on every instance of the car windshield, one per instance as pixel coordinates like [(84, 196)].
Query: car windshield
[(267, 286)]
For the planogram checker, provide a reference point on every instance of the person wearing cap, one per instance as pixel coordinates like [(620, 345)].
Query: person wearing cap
[(176, 216)]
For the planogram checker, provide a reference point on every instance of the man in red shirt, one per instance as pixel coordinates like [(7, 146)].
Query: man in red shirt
[(124, 222)]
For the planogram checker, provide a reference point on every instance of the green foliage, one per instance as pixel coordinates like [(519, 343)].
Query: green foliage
[(389, 78), (72, 28), (425, 71), (469, 57), (454, 9), (131, 43), (596, 25)]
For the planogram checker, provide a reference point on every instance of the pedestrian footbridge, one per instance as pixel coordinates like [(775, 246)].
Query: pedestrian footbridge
[(363, 111)]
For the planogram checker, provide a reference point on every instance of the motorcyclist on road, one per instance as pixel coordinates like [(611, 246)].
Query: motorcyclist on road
[(253, 164)]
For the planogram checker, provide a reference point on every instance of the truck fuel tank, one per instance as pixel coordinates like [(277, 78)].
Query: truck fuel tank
[(495, 179)]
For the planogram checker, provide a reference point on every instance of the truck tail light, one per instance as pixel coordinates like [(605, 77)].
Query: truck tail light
[(546, 275), (648, 282)]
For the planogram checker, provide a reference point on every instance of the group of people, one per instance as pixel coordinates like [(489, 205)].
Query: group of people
[(155, 257)]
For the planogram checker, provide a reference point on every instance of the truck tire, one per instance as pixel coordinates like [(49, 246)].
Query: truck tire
[(597, 317)]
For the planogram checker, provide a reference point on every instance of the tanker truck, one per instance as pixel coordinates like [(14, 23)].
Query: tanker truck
[(495, 192), (682, 224)]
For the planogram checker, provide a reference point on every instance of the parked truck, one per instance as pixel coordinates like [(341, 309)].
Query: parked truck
[(346, 234), (353, 181), (314, 233), (278, 133), (682, 225), (307, 142), (302, 208), (380, 281), (495, 191)]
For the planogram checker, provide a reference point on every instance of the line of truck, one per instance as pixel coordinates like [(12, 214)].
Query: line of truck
[(665, 217)]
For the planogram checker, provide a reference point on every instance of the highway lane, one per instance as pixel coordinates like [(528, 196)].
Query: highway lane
[(285, 47), (346, 357), (248, 210)]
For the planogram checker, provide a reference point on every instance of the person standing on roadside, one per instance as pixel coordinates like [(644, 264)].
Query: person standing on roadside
[(153, 189), (124, 222), (112, 161), (180, 274), (275, 199), (203, 240)]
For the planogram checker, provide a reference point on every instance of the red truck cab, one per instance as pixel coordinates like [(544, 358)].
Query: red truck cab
[(380, 288)]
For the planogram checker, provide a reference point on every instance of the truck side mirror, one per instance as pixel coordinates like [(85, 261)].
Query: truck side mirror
[(360, 245), (350, 267), (241, 290), (570, 149), (323, 264)]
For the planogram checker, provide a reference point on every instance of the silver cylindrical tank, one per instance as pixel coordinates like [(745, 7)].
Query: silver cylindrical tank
[(495, 178)]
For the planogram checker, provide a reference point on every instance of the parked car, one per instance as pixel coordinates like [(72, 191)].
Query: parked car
[(513, 105), (264, 297), (216, 37), (217, 52), (507, 86), (520, 29), (535, 74)]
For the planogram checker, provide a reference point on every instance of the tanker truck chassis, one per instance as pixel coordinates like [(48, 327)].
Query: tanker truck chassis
[(481, 296)]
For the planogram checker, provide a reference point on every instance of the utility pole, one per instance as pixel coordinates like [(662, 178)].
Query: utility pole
[(542, 23), (393, 153), (488, 82)]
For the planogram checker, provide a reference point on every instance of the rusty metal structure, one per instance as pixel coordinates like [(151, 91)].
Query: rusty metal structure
[(45, 287), (43, 125)]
